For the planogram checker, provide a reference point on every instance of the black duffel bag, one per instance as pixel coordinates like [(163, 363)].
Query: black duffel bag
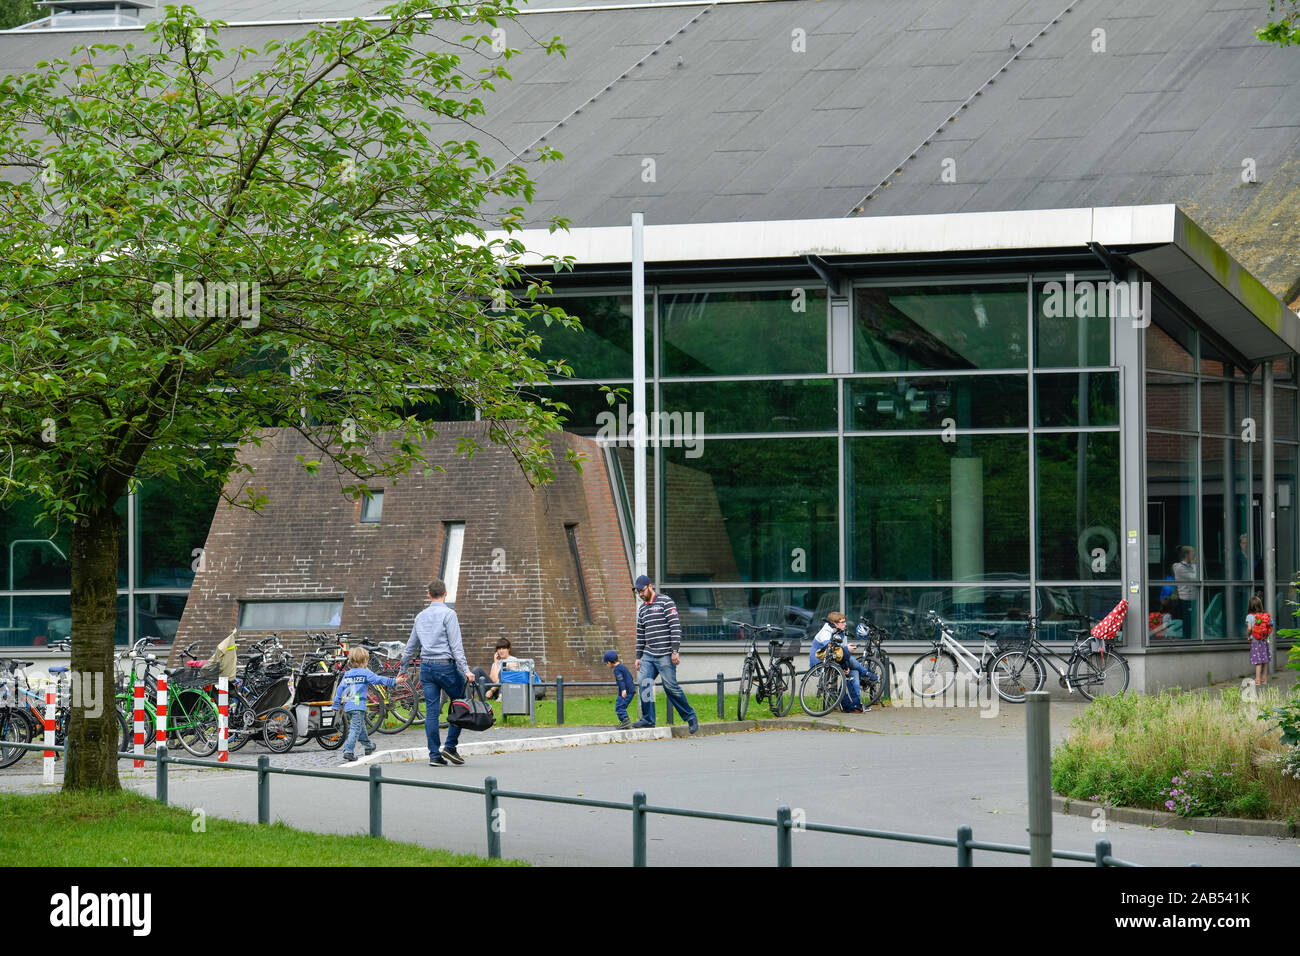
[(472, 711)]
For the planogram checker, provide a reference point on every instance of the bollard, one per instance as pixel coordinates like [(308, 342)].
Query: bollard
[(491, 808), (376, 801), (160, 778), (48, 768), (722, 713), (223, 719), (139, 721), (559, 700), (1038, 749), (965, 854), (638, 829), (784, 852), (264, 789), (161, 711), (1102, 851)]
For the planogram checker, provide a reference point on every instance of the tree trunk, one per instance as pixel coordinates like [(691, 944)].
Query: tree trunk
[(92, 734)]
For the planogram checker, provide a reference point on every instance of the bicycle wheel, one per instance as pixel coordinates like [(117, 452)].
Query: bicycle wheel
[(193, 717), (14, 729), (332, 738), (124, 736), (873, 691), (401, 709), (1097, 677), (241, 722), (376, 709), (781, 700), (822, 690), (932, 673), (278, 731), (1015, 674), (746, 684)]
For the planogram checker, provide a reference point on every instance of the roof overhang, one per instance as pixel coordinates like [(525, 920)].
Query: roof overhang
[(1161, 240)]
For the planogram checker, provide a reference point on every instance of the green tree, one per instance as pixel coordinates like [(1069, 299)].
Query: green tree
[(14, 13), (1284, 31), (194, 249)]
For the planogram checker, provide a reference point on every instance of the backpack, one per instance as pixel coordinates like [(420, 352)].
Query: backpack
[(471, 712), (1262, 627)]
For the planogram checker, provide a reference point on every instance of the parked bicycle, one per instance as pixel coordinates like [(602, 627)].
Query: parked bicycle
[(191, 714), (876, 659), (1012, 672), (16, 726), (773, 682), (1093, 667)]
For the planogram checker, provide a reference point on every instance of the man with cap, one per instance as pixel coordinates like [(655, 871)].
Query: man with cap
[(658, 639)]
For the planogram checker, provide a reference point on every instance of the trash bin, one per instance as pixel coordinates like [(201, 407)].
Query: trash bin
[(517, 690)]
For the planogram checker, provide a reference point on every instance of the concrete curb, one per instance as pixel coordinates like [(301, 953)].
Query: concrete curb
[(1172, 821), (591, 738)]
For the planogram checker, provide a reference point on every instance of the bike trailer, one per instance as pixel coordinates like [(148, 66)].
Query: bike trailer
[(315, 688)]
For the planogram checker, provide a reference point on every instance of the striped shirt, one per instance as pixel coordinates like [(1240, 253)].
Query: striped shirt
[(658, 629)]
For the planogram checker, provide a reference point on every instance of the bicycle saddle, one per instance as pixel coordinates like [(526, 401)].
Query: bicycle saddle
[(989, 634), (63, 669)]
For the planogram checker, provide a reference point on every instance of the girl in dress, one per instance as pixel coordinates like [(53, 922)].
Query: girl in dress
[(1259, 626)]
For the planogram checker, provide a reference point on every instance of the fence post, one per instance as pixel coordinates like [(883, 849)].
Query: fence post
[(160, 778), (490, 804), (784, 852), (722, 713), (638, 829), (1102, 851), (376, 801), (1038, 748), (559, 699), (263, 789), (964, 853), (668, 704)]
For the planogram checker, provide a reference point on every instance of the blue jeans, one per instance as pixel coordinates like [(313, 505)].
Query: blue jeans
[(620, 706), (857, 670), (357, 731), (652, 666), (439, 678)]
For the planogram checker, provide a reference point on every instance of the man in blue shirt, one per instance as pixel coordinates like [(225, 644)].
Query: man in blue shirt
[(436, 634), (658, 638)]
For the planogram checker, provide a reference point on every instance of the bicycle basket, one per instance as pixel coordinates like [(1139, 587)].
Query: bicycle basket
[(785, 650)]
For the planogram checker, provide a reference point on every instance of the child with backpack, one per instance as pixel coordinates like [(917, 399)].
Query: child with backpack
[(1260, 626)]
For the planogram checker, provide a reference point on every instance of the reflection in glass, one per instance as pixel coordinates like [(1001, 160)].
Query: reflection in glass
[(1078, 479), (1171, 520), (172, 523), (1171, 402), (722, 407), (964, 326), (1169, 341), (903, 611), (41, 620), (1083, 399), (603, 346), (752, 510), (1077, 335), (925, 509), (1061, 607), (34, 555), (712, 613), (740, 332), (969, 401)]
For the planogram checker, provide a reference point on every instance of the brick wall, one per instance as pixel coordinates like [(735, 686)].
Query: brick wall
[(517, 576)]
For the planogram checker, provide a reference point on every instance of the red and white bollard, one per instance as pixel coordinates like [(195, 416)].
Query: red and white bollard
[(49, 734), (139, 722), (223, 719), (161, 740)]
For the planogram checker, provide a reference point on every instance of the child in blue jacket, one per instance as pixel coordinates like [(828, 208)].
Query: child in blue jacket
[(626, 688), (351, 690)]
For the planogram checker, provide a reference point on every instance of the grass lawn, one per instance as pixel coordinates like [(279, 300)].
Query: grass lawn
[(126, 829)]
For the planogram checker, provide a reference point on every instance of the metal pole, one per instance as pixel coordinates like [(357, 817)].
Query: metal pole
[(160, 779), (376, 801), (784, 851), (638, 829), (490, 803), (264, 788), (1038, 747), (640, 550), (965, 855), (559, 700), (1103, 851), (721, 687), (668, 706), (1269, 516)]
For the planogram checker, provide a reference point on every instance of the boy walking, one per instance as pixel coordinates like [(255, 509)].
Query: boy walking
[(626, 688), (351, 691)]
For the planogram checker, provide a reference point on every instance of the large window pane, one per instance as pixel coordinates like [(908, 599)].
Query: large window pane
[(172, 522), (1061, 608), (1171, 402), (713, 613), (1073, 330), (1288, 560), (903, 611), (1077, 480), (289, 615), (901, 328), (751, 510), (603, 347), (1086, 398), (34, 555), (1169, 341), (159, 615), (970, 401), (743, 332), (1284, 417), (925, 509), (589, 410), (41, 620), (1225, 464), (1223, 406), (720, 407), (1171, 522)]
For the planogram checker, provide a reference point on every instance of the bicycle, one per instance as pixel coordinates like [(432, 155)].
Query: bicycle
[(1093, 672), (825, 684), (876, 659), (191, 714), (776, 680), (16, 726), (934, 671)]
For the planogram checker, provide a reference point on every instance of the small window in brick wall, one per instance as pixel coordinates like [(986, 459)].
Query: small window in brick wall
[(571, 531), (454, 541), (289, 615), (372, 508)]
